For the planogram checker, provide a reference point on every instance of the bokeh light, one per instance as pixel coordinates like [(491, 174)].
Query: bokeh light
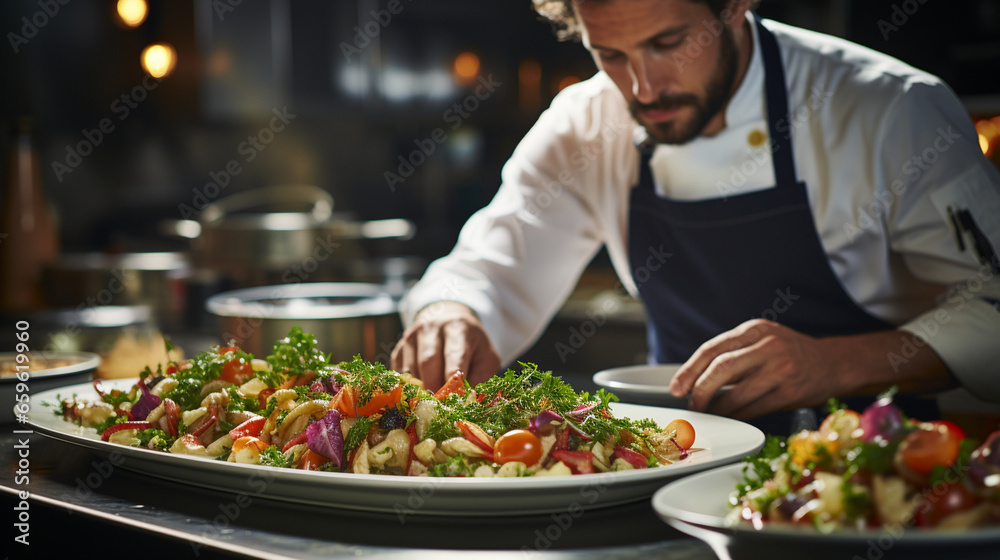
[(159, 59), (132, 12)]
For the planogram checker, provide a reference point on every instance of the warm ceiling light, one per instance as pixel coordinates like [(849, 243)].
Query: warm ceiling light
[(158, 60), (132, 12), (466, 67)]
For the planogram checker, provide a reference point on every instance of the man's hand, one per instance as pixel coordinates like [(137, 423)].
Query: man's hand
[(772, 367), (444, 337)]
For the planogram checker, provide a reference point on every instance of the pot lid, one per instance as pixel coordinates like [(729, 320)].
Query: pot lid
[(316, 300)]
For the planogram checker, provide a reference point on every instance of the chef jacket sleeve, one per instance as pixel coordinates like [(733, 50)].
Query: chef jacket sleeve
[(942, 200), (517, 259)]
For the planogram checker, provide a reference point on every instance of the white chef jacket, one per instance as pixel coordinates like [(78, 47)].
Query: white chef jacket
[(884, 149)]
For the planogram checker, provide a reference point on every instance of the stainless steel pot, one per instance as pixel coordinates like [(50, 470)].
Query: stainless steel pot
[(346, 318), (290, 230), (88, 280)]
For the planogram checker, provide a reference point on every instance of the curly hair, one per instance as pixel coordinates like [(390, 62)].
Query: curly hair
[(560, 13)]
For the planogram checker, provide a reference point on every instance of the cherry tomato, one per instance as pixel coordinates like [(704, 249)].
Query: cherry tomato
[(236, 370), (923, 449), (939, 503), (248, 441), (518, 445), (954, 429), (685, 433)]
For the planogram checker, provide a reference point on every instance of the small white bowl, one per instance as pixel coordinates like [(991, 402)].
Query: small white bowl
[(642, 384)]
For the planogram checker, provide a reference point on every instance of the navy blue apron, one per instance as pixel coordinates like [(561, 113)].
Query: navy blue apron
[(740, 257)]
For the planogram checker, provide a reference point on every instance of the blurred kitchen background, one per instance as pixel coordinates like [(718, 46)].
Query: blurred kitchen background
[(141, 112)]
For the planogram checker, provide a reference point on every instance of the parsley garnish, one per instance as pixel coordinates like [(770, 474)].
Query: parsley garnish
[(161, 440), (454, 466), (273, 457), (758, 466), (294, 355), (358, 432)]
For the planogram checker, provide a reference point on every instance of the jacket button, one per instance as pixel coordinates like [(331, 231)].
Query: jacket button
[(756, 138)]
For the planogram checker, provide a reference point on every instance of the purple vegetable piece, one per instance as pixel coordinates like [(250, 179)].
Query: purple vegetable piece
[(581, 411), (542, 420), (984, 464), (146, 403), (881, 420), (325, 437)]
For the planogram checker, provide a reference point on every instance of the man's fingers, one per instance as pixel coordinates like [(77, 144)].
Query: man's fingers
[(689, 373), (769, 402), (752, 388), (429, 358), (484, 362), (727, 369)]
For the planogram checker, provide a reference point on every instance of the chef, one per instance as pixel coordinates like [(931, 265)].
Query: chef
[(802, 217)]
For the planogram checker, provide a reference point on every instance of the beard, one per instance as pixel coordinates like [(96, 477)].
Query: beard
[(720, 85)]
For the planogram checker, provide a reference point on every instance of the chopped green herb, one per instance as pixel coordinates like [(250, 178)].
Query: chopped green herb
[(273, 457), (358, 432)]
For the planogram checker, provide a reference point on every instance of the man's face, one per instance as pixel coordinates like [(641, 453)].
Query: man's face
[(676, 86)]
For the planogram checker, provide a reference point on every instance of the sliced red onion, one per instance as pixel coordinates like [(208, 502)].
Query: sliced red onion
[(325, 437), (542, 421), (984, 464), (582, 411)]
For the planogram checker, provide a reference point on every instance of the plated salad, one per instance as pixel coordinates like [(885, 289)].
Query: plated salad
[(870, 470), (295, 409)]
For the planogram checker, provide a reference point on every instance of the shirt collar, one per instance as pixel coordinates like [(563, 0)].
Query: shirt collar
[(748, 103)]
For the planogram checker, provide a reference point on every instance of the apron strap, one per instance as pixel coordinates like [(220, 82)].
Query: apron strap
[(777, 107)]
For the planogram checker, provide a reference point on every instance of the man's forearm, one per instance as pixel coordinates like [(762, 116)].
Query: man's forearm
[(873, 362)]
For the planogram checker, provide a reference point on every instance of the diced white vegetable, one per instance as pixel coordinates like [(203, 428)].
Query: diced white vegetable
[(253, 387), (392, 451), (219, 446), (360, 464), (124, 437), (453, 446), (188, 445), (190, 416), (484, 471), (95, 413), (164, 386), (889, 499), (621, 465), (829, 490), (425, 411), (511, 469), (558, 469)]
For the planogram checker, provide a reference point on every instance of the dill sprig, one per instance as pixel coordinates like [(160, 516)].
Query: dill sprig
[(296, 354)]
